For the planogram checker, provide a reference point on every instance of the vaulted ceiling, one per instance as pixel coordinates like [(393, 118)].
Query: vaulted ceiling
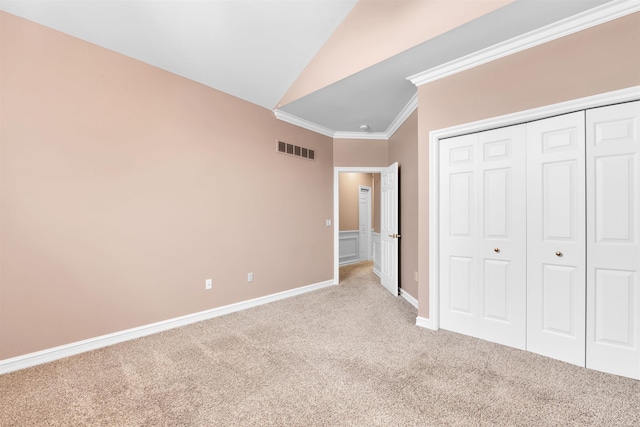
[(334, 64)]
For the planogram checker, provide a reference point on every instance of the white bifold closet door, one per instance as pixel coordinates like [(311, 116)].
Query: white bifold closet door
[(483, 238), (613, 248), (459, 235), (540, 237), (556, 289)]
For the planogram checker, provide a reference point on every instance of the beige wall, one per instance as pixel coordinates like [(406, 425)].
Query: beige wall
[(348, 185), (376, 30), (597, 60), (124, 187), (403, 148), (360, 153)]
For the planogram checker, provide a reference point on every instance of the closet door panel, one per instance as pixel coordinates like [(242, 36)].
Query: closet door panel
[(502, 244), (556, 238), (613, 252), (558, 300), (559, 200), (459, 235)]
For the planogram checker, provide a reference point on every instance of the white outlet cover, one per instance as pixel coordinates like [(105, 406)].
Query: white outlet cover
[(208, 284), (250, 277)]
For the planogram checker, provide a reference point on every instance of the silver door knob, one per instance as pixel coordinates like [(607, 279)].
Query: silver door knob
[(558, 253), (496, 250), (394, 236)]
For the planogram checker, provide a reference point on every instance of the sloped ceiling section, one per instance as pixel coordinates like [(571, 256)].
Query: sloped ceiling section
[(256, 50), (376, 30), (252, 49)]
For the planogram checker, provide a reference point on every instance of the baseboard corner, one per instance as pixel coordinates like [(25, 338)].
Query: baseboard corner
[(423, 322), (410, 298)]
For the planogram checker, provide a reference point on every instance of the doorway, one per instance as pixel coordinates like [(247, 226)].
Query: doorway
[(359, 216), (384, 254)]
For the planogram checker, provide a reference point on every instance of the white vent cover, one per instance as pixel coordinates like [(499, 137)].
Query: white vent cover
[(295, 150)]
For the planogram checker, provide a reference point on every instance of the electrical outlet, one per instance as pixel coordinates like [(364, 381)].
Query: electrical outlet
[(250, 277), (208, 284)]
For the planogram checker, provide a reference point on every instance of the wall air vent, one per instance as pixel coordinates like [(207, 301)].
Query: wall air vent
[(294, 150)]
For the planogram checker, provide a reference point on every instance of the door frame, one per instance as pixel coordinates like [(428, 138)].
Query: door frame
[(614, 97), (336, 210), (369, 221)]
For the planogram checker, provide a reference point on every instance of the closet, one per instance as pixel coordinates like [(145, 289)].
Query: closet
[(539, 237)]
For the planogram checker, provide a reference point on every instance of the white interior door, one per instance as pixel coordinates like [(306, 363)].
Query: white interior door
[(364, 222), (482, 239), (556, 238), (459, 234), (502, 271), (613, 248), (389, 228)]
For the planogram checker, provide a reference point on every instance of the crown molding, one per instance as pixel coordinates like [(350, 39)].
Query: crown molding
[(582, 21), (305, 124), (407, 110), (360, 135), (403, 116)]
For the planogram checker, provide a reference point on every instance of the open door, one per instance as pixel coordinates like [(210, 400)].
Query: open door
[(389, 228)]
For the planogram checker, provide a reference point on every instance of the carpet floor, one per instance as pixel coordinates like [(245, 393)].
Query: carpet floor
[(348, 355)]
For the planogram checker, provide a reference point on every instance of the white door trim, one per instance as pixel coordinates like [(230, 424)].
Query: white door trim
[(336, 211), (623, 95)]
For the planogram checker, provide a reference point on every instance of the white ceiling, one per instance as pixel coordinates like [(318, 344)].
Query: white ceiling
[(255, 49), (252, 49)]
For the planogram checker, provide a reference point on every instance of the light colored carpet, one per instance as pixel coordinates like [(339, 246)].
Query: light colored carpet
[(348, 355)]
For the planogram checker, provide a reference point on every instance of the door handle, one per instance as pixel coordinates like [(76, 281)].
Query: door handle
[(496, 250), (394, 235), (558, 253)]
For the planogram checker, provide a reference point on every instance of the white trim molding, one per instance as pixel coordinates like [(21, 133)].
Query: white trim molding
[(408, 109), (305, 124), (360, 135), (423, 322), (600, 100), (393, 127), (582, 21), (55, 353), (406, 295), (349, 247)]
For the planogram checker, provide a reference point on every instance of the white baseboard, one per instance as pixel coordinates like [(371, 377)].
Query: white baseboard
[(406, 295), (343, 263), (423, 322), (377, 273), (55, 353)]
